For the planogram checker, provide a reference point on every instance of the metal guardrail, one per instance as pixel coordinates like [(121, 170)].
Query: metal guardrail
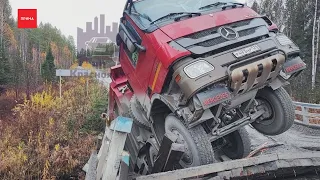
[(306, 115)]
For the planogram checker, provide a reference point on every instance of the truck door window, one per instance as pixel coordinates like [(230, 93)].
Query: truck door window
[(135, 55)]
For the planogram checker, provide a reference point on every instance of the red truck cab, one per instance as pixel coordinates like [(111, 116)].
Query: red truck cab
[(201, 70)]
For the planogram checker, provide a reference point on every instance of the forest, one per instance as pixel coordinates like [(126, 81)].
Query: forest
[(301, 22), (45, 137), (23, 53)]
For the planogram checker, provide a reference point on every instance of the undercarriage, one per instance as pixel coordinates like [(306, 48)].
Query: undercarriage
[(219, 133)]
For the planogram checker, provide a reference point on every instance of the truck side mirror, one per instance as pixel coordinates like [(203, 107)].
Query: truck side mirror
[(140, 48), (282, 27), (128, 39), (118, 39)]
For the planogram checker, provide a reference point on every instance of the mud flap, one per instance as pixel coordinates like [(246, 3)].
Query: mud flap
[(293, 66)]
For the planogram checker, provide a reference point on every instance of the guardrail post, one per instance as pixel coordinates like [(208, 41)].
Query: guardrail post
[(305, 113)]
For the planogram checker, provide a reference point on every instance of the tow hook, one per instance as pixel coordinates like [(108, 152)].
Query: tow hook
[(104, 116)]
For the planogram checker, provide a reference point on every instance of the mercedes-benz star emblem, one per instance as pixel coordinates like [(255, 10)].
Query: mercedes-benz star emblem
[(228, 33)]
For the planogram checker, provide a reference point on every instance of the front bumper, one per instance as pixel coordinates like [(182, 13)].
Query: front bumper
[(241, 74)]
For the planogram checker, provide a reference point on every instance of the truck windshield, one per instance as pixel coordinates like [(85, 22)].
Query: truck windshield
[(159, 8)]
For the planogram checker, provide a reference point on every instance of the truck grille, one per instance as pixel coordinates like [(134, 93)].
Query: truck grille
[(210, 40), (220, 39), (214, 30)]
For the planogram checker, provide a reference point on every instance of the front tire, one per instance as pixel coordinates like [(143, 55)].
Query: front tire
[(238, 144), (280, 111), (198, 149)]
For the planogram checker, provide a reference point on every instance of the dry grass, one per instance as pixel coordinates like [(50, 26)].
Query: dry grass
[(46, 140)]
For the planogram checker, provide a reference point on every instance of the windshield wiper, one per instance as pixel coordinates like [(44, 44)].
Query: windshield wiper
[(142, 15), (186, 15), (177, 13), (213, 5), (233, 5)]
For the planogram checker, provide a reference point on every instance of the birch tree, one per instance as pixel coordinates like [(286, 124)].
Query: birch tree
[(314, 40), (317, 47)]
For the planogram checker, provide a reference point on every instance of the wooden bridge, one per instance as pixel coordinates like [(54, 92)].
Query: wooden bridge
[(111, 162)]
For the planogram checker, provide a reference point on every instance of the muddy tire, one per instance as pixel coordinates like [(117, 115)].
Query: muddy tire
[(281, 112), (198, 147), (238, 145)]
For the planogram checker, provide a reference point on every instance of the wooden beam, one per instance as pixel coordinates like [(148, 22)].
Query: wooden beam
[(175, 155), (163, 154), (121, 126)]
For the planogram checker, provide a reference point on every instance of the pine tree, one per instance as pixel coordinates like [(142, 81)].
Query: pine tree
[(48, 67), (5, 69)]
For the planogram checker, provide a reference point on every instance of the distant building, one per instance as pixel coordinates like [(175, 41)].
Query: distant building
[(83, 37)]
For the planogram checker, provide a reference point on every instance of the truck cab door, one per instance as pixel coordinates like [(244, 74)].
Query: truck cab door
[(137, 58)]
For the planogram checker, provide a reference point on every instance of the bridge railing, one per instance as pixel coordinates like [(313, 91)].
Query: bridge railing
[(307, 114)]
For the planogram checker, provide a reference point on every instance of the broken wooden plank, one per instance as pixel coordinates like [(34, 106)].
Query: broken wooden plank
[(251, 167), (103, 152), (164, 150), (175, 155), (124, 167), (121, 126), (91, 167)]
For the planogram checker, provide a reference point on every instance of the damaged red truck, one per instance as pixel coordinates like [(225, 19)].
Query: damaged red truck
[(200, 71)]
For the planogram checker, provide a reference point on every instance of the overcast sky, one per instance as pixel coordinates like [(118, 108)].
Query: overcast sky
[(67, 15)]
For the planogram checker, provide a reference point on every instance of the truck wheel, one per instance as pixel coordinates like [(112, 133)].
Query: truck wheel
[(198, 149), (280, 111), (238, 144)]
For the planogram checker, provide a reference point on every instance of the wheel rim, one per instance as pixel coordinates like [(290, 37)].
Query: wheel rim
[(187, 158), (268, 116)]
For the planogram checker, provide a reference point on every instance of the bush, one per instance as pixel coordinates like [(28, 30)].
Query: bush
[(46, 140), (93, 121)]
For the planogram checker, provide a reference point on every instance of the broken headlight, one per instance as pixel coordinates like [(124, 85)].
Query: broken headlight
[(198, 68)]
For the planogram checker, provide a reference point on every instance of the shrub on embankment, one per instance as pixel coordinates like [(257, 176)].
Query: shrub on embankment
[(52, 138)]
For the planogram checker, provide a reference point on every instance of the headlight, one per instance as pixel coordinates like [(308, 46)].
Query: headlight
[(198, 68), (284, 40)]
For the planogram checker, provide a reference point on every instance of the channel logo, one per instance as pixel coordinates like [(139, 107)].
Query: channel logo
[(27, 18)]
